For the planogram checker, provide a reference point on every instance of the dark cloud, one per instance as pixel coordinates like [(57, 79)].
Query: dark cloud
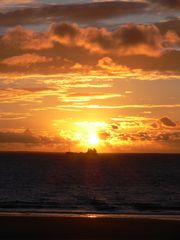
[(162, 123), (166, 137), (139, 35), (169, 137), (84, 12), (114, 126), (13, 137), (168, 61), (163, 137), (170, 4), (139, 136), (76, 12), (27, 137), (172, 24), (65, 29), (167, 122), (126, 40)]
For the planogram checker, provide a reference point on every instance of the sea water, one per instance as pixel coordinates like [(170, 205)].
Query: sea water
[(89, 184)]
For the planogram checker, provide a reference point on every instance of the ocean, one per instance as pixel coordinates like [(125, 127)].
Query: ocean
[(80, 184)]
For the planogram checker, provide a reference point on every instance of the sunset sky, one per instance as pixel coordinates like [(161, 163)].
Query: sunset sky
[(79, 74)]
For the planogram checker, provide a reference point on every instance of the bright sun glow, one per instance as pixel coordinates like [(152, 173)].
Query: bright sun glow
[(93, 139), (87, 133)]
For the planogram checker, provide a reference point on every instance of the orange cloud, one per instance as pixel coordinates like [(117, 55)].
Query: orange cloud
[(130, 39), (172, 39), (65, 44), (25, 60), (6, 3), (23, 38), (11, 116), (108, 64), (85, 97)]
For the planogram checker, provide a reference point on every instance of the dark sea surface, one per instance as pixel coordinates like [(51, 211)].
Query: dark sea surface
[(81, 184)]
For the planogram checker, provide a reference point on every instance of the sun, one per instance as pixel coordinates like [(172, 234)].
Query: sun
[(93, 139), (86, 134)]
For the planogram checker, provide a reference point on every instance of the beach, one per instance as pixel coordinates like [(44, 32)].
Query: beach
[(119, 196), (88, 227)]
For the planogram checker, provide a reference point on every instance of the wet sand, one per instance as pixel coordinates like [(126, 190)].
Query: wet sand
[(87, 228)]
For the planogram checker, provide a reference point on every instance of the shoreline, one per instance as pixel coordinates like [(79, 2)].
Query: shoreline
[(99, 153), (148, 216), (90, 227)]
